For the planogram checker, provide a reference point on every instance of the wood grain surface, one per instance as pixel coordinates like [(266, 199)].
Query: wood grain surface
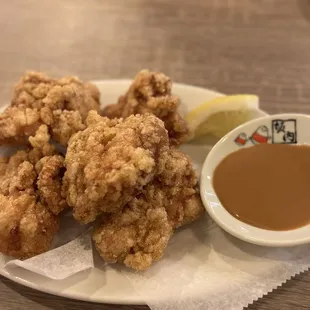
[(234, 46)]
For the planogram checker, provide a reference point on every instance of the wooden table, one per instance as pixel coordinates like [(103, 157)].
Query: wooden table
[(235, 46)]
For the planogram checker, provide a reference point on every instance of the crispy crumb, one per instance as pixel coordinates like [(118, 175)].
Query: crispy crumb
[(110, 161), (150, 92), (50, 171), (138, 235), (26, 227), (30, 197), (177, 190), (61, 104)]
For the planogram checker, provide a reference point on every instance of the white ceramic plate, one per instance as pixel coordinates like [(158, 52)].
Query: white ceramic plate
[(281, 128), (106, 284)]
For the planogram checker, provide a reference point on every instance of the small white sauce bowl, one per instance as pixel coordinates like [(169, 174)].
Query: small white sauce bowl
[(281, 128)]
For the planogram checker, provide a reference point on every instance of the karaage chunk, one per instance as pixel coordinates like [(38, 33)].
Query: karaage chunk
[(36, 171), (50, 171), (61, 104), (18, 173), (176, 188), (27, 227), (138, 235), (150, 92), (30, 197), (110, 162)]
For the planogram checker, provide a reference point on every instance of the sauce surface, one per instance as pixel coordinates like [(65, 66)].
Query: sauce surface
[(267, 185)]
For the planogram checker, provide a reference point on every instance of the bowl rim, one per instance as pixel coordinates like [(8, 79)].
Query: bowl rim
[(228, 222)]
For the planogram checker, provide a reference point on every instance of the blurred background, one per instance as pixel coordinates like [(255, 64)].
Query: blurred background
[(234, 46)]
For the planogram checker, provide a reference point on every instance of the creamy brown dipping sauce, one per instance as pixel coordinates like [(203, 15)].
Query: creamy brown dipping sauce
[(267, 185)]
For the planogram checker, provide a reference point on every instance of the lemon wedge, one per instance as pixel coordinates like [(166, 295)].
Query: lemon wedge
[(220, 115)]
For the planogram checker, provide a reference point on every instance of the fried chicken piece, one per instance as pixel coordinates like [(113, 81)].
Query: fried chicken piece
[(36, 171), (177, 189), (139, 234), (61, 104), (50, 171), (110, 162), (135, 236), (30, 197), (151, 93), (18, 173), (27, 227)]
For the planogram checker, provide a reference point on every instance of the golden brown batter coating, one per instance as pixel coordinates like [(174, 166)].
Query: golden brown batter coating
[(30, 197), (139, 234), (109, 162), (61, 104), (150, 92), (27, 227), (135, 236), (177, 190), (50, 171)]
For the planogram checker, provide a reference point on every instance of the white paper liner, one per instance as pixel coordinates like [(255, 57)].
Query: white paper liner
[(205, 268)]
